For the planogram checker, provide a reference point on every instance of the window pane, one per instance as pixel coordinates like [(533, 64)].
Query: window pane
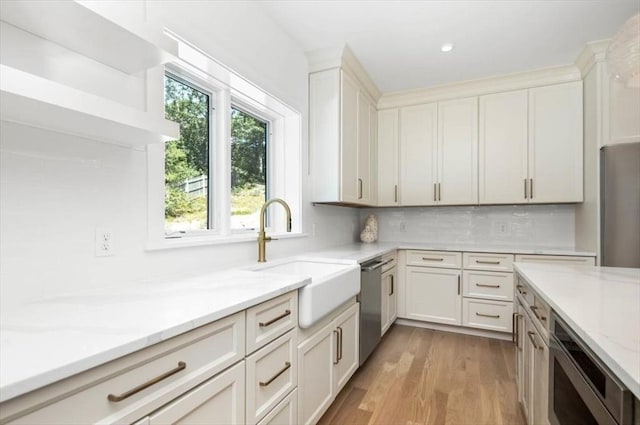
[(248, 169), (187, 159)]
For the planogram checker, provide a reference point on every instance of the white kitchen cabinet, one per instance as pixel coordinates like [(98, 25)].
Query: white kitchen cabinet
[(555, 143), (418, 140), (220, 400), (457, 158), (342, 137), (389, 310), (521, 358), (503, 155), (327, 358), (285, 413), (556, 259), (433, 295), (388, 157)]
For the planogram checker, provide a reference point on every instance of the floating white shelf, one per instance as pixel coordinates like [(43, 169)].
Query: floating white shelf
[(83, 28), (39, 102)]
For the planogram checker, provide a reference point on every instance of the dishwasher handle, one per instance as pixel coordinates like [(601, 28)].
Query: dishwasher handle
[(375, 265)]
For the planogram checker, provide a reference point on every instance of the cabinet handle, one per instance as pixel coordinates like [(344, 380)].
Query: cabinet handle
[(392, 288), (493, 316), (534, 309), (526, 196), (340, 345), (533, 341), (484, 285), (458, 284), (530, 188), (487, 262), (275, 319), (337, 334), (359, 188), (286, 367), (432, 259), (435, 185), (439, 197), (520, 289), (396, 193), (514, 326), (116, 398)]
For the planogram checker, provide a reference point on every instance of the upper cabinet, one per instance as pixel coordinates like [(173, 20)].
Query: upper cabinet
[(56, 56), (342, 134), (555, 143), (531, 145), (457, 175), (388, 194)]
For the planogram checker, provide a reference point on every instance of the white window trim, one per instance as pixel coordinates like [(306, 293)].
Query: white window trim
[(285, 157)]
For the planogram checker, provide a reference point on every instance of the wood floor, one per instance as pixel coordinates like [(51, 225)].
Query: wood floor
[(421, 376)]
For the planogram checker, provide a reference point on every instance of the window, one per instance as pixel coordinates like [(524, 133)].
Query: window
[(208, 187), (249, 136), (187, 159)]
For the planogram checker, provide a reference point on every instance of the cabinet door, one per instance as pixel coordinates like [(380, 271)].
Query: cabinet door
[(519, 339), (347, 325), (458, 152), (388, 157), (219, 400), (384, 302), (364, 149), (527, 369), (433, 295), (418, 136), (349, 139), (540, 394), (393, 296), (503, 148), (555, 143), (315, 374)]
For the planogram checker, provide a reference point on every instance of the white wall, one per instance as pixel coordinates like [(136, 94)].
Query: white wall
[(525, 226), (56, 189)]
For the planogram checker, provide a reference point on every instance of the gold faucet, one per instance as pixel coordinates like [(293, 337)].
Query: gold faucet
[(262, 237)]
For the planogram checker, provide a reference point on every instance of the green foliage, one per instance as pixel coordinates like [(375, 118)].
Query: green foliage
[(248, 150)]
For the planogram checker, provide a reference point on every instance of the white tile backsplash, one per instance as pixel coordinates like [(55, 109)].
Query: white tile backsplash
[(543, 226)]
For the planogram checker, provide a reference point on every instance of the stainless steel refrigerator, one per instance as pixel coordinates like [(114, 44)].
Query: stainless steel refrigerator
[(620, 205)]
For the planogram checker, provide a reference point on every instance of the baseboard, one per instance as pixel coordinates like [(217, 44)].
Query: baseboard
[(455, 329)]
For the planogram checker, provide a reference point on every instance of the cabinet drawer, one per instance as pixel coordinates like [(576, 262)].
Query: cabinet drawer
[(541, 316), (492, 315), (556, 259), (450, 260), (269, 320), (285, 413), (488, 285), (186, 361), (522, 288), (484, 261), (271, 375), (392, 257)]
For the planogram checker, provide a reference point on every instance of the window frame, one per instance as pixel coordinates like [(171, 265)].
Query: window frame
[(284, 167)]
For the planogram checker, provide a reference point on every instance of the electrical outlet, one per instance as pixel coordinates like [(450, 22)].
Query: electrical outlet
[(502, 227), (104, 242), (403, 226)]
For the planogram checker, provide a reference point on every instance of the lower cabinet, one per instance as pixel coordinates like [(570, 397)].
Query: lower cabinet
[(433, 295), (389, 304), (220, 400), (326, 361), (285, 413)]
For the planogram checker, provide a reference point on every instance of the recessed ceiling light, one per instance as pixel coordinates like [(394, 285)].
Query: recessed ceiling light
[(446, 47)]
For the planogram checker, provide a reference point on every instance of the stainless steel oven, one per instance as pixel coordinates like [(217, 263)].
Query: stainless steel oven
[(582, 390)]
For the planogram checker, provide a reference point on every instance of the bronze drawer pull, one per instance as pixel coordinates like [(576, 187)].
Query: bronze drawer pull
[(487, 262), (337, 334), (520, 289), (275, 319), (533, 341), (117, 398), (432, 259), (534, 309), (493, 316), (484, 285), (286, 367)]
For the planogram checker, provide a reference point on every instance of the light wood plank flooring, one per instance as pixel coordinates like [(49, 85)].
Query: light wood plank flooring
[(421, 376)]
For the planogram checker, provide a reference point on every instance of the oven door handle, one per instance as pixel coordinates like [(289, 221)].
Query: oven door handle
[(559, 358)]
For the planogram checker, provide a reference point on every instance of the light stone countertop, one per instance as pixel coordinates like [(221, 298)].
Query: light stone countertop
[(83, 330), (601, 305)]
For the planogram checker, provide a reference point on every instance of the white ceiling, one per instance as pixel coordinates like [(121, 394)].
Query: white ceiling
[(398, 42)]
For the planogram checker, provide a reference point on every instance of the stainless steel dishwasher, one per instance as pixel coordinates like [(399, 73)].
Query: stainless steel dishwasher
[(370, 299)]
